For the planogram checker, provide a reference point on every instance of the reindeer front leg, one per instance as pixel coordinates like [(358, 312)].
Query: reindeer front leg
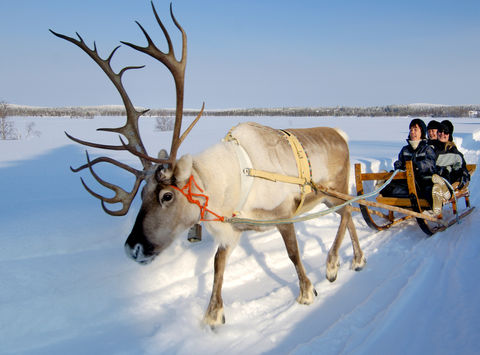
[(214, 315)]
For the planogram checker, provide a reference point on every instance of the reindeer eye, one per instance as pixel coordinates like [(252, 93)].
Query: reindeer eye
[(167, 196)]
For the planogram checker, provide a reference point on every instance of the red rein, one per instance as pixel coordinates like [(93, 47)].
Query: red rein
[(194, 198)]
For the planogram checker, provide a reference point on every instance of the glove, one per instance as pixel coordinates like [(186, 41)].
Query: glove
[(397, 165)]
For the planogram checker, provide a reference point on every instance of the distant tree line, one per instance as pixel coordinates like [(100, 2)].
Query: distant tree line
[(83, 112), (390, 110)]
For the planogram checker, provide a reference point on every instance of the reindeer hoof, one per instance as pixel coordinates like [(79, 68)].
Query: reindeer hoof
[(331, 278), (215, 318), (332, 273), (213, 327), (307, 297), (358, 266)]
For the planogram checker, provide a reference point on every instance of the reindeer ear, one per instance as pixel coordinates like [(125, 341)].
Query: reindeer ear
[(183, 168)]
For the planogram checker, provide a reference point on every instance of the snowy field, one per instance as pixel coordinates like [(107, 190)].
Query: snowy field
[(66, 286)]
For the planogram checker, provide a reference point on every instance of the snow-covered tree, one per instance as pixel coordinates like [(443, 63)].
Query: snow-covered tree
[(7, 129)]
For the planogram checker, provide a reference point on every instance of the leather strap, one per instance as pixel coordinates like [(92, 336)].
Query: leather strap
[(304, 178)]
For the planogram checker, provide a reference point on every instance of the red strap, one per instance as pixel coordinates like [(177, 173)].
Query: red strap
[(193, 198)]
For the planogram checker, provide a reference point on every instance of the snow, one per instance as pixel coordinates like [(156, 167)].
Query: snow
[(67, 287)]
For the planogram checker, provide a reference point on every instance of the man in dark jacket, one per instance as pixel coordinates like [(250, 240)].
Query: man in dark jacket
[(423, 159)]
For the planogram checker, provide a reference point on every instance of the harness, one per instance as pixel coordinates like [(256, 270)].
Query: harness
[(193, 198), (304, 178), (246, 180)]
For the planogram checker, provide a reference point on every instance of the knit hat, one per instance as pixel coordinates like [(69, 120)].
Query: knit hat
[(449, 125), (433, 125), (421, 124), (444, 128)]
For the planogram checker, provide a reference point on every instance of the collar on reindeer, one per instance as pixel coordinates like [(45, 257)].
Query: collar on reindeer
[(195, 199)]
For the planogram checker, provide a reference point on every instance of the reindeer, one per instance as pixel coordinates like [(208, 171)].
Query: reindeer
[(179, 193)]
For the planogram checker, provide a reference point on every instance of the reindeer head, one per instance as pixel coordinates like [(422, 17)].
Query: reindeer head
[(163, 214)]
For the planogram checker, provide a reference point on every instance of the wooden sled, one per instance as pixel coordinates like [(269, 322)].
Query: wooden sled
[(386, 212)]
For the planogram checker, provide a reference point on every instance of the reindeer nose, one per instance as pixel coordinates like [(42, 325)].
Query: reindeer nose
[(134, 252), (137, 253), (137, 250)]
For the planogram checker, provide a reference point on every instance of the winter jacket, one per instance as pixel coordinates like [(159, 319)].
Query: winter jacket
[(451, 165), (423, 159), (436, 145)]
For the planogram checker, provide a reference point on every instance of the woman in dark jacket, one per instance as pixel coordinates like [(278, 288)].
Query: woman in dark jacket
[(423, 159)]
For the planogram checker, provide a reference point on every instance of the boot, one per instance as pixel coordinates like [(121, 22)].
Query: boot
[(440, 194)]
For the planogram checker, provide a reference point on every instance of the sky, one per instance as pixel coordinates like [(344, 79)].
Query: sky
[(244, 54)]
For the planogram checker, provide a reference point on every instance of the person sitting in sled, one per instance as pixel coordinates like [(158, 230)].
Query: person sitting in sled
[(432, 135), (451, 166), (423, 159)]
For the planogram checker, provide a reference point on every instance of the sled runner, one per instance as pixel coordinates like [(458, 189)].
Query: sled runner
[(388, 211)]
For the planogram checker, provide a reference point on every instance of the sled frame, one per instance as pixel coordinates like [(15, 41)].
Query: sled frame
[(381, 217)]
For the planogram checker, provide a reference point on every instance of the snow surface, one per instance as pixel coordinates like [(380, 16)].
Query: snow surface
[(66, 286)]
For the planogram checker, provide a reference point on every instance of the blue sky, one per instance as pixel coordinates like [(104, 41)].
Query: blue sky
[(248, 53)]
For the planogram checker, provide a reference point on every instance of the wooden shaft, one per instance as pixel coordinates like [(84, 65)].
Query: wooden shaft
[(346, 197)]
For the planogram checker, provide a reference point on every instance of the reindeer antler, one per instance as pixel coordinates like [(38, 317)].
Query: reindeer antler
[(176, 67), (130, 129)]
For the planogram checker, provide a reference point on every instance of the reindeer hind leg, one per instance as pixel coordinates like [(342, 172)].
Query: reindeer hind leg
[(332, 257), (359, 260), (307, 291)]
